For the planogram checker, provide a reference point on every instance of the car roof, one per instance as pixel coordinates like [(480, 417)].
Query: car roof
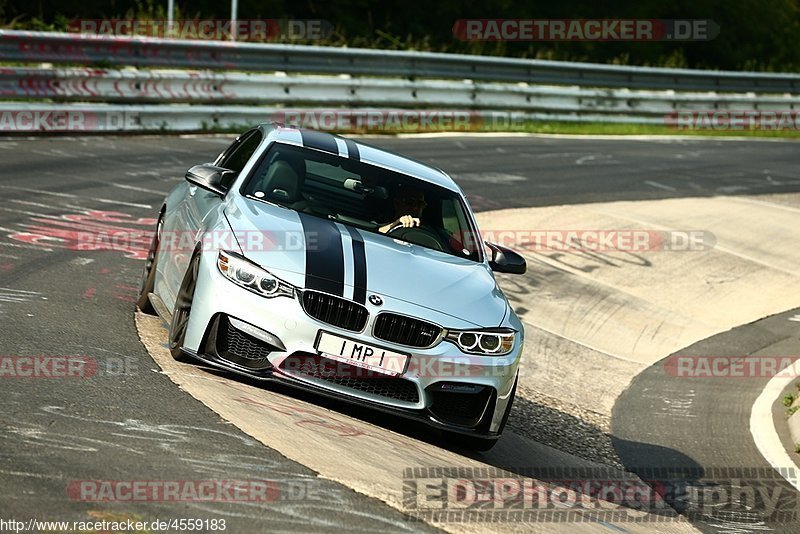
[(366, 153)]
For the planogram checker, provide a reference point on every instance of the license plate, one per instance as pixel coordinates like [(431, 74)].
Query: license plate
[(361, 355)]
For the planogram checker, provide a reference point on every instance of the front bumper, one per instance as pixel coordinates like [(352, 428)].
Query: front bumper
[(274, 339)]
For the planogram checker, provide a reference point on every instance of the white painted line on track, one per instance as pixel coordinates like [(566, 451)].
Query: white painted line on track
[(140, 189), (762, 427), (68, 195), (23, 291), (748, 200), (755, 260), (581, 343), (121, 203), (39, 191), (30, 213), (15, 245), (35, 204), (659, 185), (717, 246)]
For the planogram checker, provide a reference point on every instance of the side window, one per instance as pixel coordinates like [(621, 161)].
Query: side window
[(236, 157), (228, 151)]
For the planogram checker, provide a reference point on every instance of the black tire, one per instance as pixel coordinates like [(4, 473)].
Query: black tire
[(183, 308), (473, 443), (147, 285)]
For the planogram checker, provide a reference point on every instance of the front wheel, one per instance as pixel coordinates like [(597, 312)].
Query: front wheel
[(183, 308), (149, 275)]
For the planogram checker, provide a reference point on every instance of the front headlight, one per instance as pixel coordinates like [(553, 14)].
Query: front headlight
[(251, 277), (495, 342)]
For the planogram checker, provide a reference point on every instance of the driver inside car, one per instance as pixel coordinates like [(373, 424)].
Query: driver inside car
[(408, 205)]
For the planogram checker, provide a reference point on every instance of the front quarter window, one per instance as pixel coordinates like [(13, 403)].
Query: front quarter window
[(238, 154)]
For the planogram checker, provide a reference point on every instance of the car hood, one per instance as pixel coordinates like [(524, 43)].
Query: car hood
[(308, 251)]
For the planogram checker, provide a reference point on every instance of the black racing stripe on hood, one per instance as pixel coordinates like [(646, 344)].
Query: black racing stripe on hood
[(352, 149), (359, 266), (324, 255), (320, 141)]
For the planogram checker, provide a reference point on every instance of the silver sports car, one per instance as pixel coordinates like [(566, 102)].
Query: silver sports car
[(340, 268)]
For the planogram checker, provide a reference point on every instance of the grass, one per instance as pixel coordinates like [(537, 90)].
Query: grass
[(788, 400), (608, 128)]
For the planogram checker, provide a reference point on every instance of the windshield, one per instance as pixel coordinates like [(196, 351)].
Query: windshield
[(365, 196)]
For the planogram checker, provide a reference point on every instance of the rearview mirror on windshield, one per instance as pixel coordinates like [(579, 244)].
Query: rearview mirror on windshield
[(358, 186)]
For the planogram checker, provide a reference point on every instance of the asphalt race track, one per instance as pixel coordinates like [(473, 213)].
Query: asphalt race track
[(62, 296)]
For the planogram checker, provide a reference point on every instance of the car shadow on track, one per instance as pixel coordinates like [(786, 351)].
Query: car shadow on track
[(539, 442), (536, 435)]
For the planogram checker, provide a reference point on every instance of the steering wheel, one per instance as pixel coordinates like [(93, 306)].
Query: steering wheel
[(423, 235)]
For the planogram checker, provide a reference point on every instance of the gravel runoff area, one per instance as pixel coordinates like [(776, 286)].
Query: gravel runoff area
[(564, 426)]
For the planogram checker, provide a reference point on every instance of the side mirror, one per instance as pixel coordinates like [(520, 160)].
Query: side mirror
[(209, 177), (505, 260)]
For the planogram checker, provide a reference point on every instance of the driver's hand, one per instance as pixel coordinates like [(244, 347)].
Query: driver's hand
[(407, 221)]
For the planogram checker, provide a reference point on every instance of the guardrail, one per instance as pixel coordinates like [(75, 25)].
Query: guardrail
[(205, 87), (77, 49), (491, 90)]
